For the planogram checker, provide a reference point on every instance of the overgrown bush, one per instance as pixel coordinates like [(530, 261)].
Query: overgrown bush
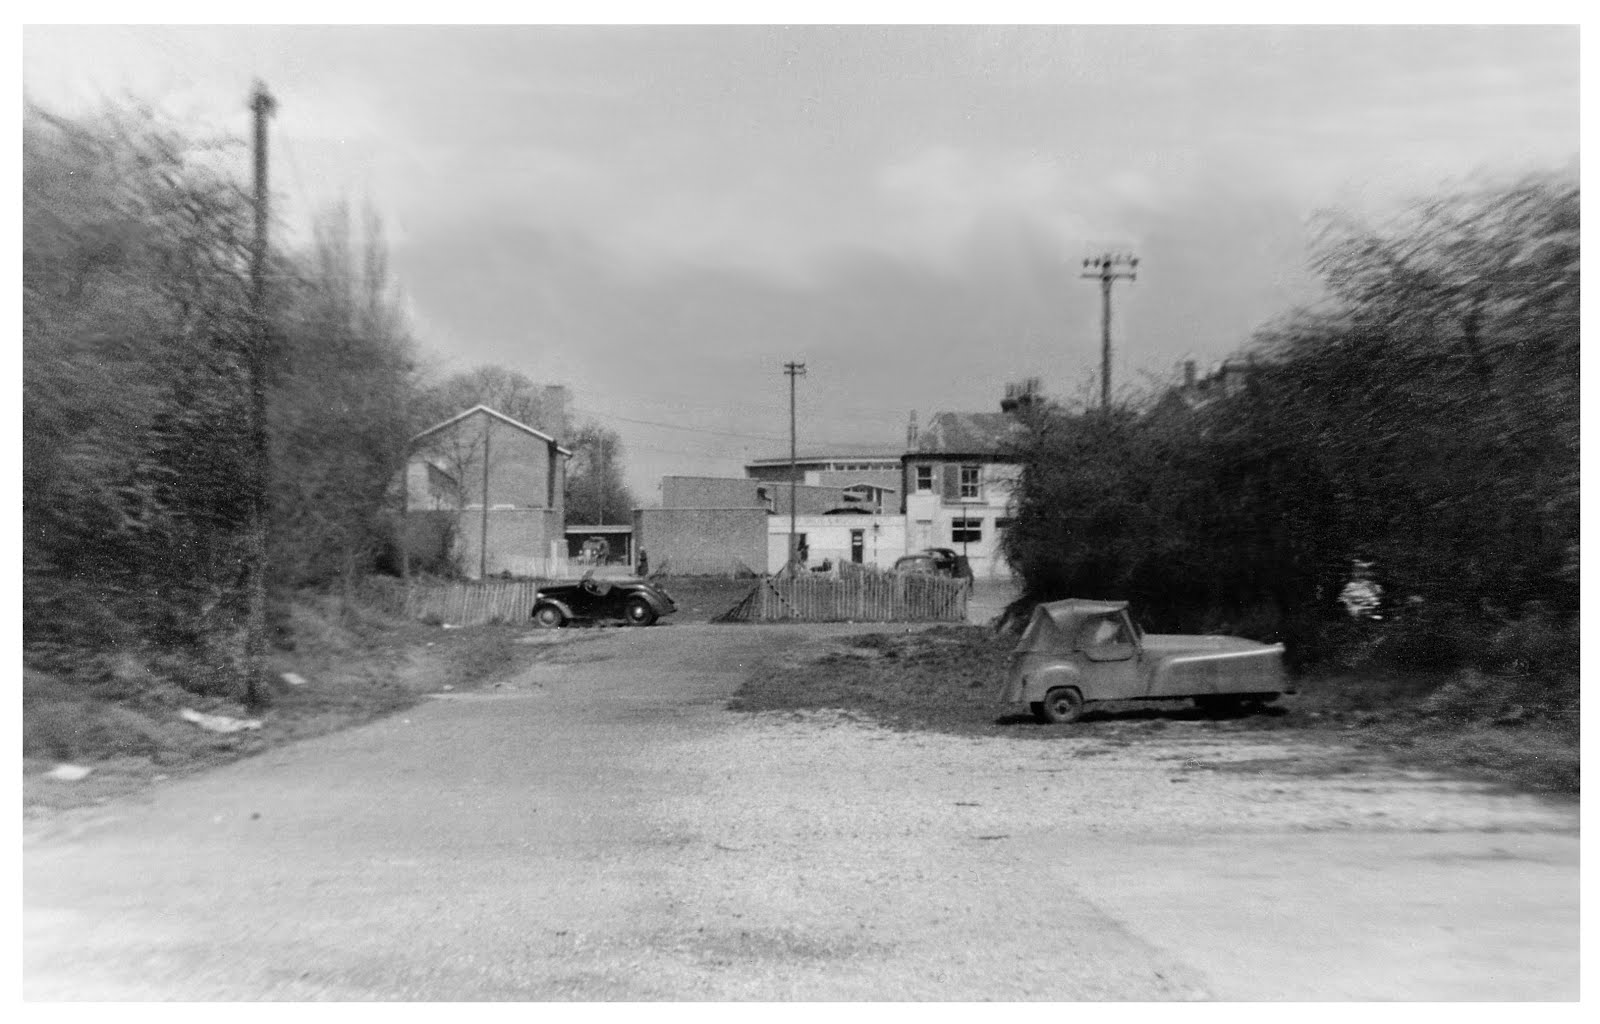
[(1424, 421), (138, 472)]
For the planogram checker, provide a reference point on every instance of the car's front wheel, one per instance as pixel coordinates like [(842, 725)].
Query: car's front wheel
[(639, 612), (548, 616), (1062, 705)]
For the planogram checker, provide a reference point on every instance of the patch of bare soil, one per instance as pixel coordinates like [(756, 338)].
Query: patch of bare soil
[(704, 598), (946, 680)]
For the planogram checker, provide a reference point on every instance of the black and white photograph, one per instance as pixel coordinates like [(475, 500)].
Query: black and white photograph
[(640, 507)]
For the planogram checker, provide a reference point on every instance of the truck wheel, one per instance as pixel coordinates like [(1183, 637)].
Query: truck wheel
[(1062, 705), (547, 616), (640, 613)]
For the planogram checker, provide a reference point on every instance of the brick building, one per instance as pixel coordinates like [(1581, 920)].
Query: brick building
[(489, 489)]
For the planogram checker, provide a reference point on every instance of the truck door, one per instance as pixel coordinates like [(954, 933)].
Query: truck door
[(1109, 647)]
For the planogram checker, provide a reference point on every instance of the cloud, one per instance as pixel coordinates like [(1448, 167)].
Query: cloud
[(926, 209)]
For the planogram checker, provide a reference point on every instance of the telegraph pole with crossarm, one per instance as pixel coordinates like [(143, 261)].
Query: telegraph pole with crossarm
[(1104, 268), (792, 370)]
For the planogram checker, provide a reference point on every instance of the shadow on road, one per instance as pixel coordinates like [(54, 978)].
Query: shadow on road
[(1149, 714)]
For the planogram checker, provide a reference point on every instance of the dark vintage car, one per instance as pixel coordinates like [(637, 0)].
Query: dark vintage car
[(637, 602), (935, 562)]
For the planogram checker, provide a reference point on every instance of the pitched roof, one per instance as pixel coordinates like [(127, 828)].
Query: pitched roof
[(502, 417), (967, 433)]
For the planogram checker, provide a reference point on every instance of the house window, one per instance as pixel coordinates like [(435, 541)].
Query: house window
[(966, 531), (970, 476), (924, 479), (1003, 523)]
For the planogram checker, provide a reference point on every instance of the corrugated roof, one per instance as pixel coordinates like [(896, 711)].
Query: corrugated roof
[(967, 433)]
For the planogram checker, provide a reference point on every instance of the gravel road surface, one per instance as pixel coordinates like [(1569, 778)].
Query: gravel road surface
[(601, 828)]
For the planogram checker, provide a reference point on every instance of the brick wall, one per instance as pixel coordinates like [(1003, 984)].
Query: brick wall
[(520, 466), (702, 541), (519, 541), (710, 492), (733, 492)]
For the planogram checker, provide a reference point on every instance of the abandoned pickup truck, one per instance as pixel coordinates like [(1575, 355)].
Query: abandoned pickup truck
[(1075, 652)]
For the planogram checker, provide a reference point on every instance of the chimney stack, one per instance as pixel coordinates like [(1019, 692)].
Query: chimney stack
[(555, 402), (1188, 373), (1022, 396), (911, 431)]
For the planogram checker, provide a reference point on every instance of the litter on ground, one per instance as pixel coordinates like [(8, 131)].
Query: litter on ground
[(218, 723), (68, 772)]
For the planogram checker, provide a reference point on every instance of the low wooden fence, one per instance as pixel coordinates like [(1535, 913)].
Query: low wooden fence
[(854, 596), (457, 602)]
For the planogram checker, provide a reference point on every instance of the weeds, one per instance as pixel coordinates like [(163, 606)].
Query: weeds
[(119, 711), (1517, 729)]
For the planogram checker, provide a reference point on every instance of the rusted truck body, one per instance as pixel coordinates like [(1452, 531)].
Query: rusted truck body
[(1076, 652)]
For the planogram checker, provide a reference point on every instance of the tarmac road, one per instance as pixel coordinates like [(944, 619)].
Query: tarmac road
[(600, 828)]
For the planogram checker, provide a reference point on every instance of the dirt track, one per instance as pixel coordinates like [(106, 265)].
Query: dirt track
[(601, 828)]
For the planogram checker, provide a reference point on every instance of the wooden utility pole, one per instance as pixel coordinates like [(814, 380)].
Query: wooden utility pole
[(483, 523), (261, 106), (1104, 269), (605, 476), (792, 370)]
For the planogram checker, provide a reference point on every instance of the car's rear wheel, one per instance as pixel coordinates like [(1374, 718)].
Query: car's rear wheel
[(639, 612), (1062, 705), (548, 616)]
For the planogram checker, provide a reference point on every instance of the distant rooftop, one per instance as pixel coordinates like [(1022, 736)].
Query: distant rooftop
[(854, 453), (966, 433)]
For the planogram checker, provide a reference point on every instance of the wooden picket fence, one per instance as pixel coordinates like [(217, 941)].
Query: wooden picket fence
[(457, 602), (855, 595)]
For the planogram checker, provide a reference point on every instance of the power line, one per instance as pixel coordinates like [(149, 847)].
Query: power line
[(674, 426), (675, 403), (717, 433), (878, 412)]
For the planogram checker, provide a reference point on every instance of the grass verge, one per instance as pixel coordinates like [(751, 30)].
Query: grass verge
[(120, 715), (1520, 732)]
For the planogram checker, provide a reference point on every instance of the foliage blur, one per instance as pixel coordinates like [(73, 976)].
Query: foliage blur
[(596, 490), (1424, 420), (136, 325)]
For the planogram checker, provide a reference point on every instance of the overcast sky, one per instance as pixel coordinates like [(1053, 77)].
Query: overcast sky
[(660, 217)]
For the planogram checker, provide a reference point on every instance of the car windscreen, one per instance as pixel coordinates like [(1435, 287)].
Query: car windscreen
[(1102, 630)]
